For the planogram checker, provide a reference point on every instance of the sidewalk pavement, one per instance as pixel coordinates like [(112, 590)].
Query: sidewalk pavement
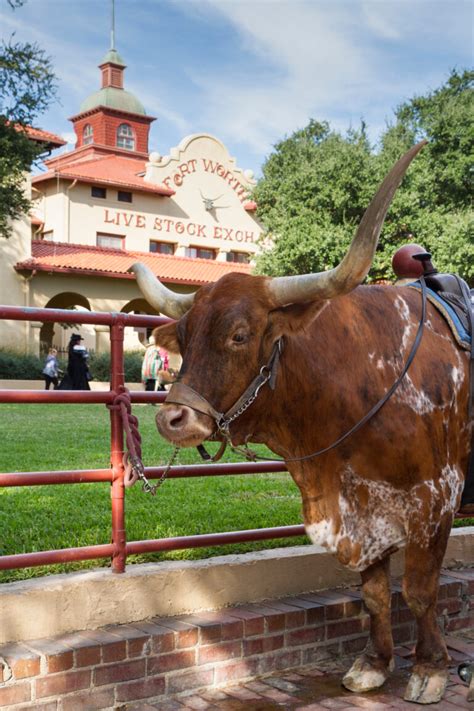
[(318, 688)]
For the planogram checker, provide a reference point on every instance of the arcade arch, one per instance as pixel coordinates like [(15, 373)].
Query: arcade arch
[(137, 338), (57, 335)]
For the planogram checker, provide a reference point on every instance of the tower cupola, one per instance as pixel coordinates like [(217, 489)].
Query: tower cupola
[(112, 117), (112, 94), (112, 67)]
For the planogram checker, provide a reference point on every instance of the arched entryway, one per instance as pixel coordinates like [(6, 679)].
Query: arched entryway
[(58, 335), (137, 338)]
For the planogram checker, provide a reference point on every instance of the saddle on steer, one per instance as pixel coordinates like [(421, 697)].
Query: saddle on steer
[(455, 293)]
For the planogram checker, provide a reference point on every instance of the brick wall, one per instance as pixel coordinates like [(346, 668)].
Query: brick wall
[(105, 668), (105, 124)]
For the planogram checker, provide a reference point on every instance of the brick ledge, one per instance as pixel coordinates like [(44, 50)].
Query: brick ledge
[(64, 603), (118, 664)]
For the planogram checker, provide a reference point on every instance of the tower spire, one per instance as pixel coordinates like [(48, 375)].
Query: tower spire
[(112, 28)]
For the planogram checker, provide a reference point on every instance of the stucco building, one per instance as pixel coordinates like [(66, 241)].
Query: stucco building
[(109, 203)]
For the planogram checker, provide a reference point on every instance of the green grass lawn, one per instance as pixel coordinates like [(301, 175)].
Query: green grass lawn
[(59, 437)]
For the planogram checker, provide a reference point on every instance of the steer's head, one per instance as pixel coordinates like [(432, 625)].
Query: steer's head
[(225, 331)]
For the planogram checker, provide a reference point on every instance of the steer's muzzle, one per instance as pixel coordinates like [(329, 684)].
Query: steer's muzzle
[(183, 426)]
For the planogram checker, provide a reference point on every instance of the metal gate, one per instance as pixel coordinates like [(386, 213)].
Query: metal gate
[(119, 547)]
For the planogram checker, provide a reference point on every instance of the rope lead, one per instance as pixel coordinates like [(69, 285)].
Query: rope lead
[(132, 458)]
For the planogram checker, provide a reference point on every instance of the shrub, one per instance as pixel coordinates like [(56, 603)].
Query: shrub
[(133, 366), (22, 366), (99, 366)]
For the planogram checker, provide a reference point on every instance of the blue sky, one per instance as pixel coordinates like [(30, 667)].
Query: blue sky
[(250, 71)]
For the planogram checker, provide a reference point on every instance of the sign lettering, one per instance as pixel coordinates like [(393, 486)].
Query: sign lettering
[(178, 227), (176, 179)]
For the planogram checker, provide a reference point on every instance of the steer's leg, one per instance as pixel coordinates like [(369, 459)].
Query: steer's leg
[(420, 590), (371, 669)]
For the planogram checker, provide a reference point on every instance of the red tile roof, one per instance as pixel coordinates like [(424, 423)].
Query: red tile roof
[(37, 134), (100, 261), (113, 170)]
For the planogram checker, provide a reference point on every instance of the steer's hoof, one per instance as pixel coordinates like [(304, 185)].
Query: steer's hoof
[(363, 676), (426, 686)]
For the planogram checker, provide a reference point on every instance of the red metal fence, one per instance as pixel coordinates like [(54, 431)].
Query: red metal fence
[(119, 548)]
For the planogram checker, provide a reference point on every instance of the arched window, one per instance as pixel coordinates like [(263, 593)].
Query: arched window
[(125, 137), (87, 134)]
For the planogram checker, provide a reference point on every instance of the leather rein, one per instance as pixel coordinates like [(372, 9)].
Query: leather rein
[(181, 394)]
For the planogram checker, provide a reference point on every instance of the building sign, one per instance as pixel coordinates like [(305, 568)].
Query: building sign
[(176, 179), (178, 228)]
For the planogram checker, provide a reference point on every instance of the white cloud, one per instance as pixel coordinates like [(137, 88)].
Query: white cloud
[(381, 22), (318, 69), (328, 60), (74, 67), (251, 71), (69, 136), (156, 106)]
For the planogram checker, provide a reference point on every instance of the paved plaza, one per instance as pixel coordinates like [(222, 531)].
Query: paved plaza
[(318, 688)]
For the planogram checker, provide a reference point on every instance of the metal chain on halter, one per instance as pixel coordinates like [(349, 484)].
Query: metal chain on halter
[(224, 423), (132, 459)]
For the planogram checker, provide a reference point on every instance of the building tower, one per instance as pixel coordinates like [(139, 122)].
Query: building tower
[(113, 119)]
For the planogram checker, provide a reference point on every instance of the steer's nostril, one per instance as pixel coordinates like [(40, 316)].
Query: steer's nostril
[(179, 419)]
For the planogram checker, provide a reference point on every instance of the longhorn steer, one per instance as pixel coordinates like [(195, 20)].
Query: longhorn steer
[(397, 481)]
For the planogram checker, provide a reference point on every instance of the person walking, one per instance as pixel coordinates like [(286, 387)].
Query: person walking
[(77, 375), (164, 374), (51, 369), (151, 365)]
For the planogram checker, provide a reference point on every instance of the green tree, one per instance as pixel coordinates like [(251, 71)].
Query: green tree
[(27, 87), (434, 204), (314, 190), (317, 183)]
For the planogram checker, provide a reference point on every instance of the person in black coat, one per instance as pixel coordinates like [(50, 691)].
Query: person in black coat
[(77, 375)]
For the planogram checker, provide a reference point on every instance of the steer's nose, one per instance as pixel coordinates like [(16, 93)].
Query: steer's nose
[(182, 425)]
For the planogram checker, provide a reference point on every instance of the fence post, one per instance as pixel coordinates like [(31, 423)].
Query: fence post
[(117, 492)]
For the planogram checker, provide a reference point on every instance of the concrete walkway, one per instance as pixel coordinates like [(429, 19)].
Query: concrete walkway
[(318, 688)]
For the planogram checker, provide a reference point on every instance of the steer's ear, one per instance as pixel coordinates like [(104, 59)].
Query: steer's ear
[(294, 317), (166, 336)]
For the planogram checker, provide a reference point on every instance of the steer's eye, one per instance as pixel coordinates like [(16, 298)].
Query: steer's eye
[(239, 337)]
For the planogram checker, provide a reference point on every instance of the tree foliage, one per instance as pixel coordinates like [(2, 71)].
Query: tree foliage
[(17, 153), (317, 183), (27, 87)]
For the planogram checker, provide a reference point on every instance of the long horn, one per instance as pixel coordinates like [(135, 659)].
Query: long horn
[(163, 299), (354, 267)]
